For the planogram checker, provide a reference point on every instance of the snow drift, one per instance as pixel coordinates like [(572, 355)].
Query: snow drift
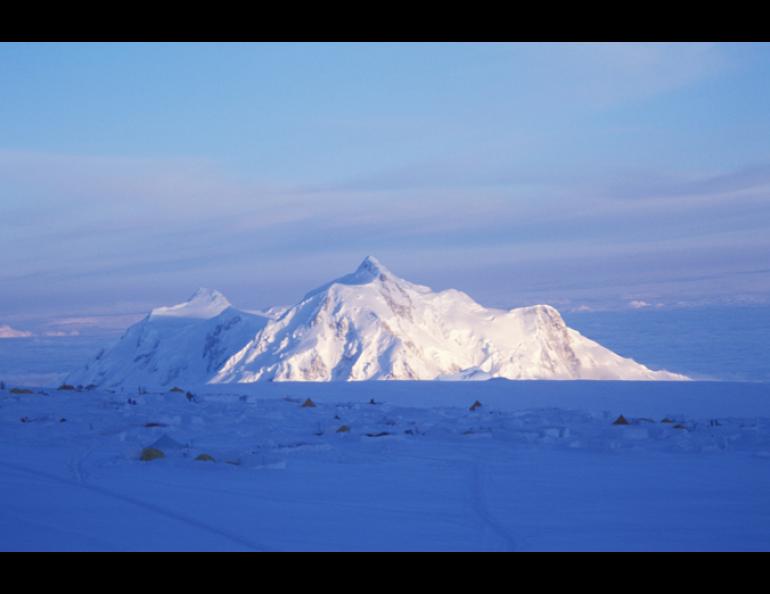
[(369, 324)]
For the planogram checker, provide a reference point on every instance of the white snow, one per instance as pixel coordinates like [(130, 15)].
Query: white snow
[(539, 466), (369, 324), (204, 304), (167, 349)]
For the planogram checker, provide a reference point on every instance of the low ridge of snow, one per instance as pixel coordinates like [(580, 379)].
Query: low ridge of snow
[(369, 324)]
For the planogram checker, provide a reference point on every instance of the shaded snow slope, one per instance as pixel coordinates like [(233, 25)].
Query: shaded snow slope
[(184, 343), (538, 466), (369, 324)]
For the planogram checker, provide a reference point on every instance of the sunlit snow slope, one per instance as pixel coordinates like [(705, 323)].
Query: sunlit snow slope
[(369, 324), (372, 324)]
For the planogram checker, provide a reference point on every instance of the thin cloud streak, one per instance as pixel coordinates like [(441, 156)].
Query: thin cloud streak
[(515, 172)]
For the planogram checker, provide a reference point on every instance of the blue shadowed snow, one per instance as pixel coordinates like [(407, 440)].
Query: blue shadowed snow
[(45, 361), (539, 466), (728, 343)]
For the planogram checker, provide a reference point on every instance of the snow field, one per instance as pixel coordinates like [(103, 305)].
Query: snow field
[(417, 475)]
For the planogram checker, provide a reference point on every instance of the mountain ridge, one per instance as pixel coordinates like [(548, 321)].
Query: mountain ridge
[(368, 324)]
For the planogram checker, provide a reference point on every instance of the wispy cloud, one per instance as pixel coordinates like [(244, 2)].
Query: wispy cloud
[(743, 181), (500, 164), (608, 74), (95, 237), (7, 331)]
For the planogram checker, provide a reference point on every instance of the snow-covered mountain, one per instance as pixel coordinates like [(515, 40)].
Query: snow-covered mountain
[(372, 324), (180, 344), (369, 324)]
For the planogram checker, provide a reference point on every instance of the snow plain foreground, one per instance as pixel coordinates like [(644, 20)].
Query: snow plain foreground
[(539, 466)]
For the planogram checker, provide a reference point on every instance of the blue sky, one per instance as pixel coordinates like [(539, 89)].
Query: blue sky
[(588, 175)]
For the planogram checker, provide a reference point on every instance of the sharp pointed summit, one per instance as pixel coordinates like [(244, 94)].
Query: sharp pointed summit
[(370, 270), (373, 267), (204, 294)]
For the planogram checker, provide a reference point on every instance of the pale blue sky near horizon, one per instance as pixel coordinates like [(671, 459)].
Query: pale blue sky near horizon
[(582, 175)]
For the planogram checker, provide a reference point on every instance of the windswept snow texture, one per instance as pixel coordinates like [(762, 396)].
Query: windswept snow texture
[(538, 466), (366, 325)]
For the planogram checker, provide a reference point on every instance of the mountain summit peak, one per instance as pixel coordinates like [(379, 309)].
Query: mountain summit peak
[(370, 270), (204, 294), (372, 266), (203, 304)]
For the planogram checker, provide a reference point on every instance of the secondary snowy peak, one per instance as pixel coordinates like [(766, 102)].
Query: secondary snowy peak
[(185, 343), (203, 304), (371, 324)]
